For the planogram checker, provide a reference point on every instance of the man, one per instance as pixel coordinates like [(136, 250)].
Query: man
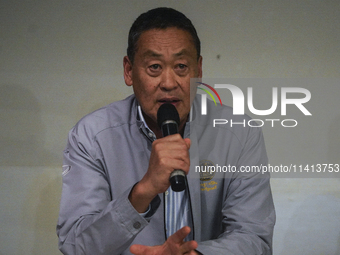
[(116, 197)]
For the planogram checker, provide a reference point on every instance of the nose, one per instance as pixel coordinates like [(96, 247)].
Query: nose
[(168, 81)]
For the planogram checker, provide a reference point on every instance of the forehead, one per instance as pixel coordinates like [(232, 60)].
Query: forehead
[(165, 40)]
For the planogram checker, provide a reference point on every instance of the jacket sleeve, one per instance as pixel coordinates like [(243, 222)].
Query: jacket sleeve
[(90, 222), (248, 214)]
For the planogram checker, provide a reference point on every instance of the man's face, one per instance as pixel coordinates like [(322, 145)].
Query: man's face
[(164, 62)]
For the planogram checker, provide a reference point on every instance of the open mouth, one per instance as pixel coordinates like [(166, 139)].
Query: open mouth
[(169, 101)]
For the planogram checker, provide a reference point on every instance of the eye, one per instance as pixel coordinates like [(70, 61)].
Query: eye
[(155, 67), (182, 66), (181, 69), (154, 70)]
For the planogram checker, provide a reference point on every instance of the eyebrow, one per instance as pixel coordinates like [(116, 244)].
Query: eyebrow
[(150, 53), (182, 52)]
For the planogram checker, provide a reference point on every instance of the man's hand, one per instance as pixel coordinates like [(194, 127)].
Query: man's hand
[(175, 245), (167, 154)]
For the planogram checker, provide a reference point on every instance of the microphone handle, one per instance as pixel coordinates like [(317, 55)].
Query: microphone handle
[(177, 177)]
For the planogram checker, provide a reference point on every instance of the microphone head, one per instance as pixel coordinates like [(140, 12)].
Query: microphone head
[(167, 112)]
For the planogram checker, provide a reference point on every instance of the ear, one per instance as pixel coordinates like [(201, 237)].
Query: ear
[(127, 71), (199, 67)]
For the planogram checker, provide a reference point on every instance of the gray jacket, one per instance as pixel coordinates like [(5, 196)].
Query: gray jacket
[(108, 153)]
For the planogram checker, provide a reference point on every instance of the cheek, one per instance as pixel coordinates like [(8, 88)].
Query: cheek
[(140, 88), (145, 97), (185, 109), (146, 94)]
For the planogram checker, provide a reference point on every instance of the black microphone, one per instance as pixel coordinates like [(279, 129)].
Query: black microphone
[(168, 121)]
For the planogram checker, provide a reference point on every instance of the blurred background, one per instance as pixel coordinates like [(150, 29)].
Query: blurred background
[(60, 60)]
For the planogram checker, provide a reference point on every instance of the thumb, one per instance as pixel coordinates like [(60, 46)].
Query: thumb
[(137, 249), (188, 142)]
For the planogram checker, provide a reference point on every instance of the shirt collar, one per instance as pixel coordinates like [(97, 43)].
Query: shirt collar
[(146, 130)]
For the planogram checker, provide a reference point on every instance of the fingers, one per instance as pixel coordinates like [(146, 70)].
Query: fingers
[(137, 249), (172, 142), (176, 138), (172, 151), (167, 154), (179, 235), (188, 142), (174, 245), (178, 238), (193, 252), (189, 247)]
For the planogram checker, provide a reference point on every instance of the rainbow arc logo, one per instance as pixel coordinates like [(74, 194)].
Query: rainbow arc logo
[(204, 97)]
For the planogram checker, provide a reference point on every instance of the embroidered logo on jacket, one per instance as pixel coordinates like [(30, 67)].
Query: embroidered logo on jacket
[(205, 176)]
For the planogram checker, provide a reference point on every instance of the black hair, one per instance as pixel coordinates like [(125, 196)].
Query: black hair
[(160, 18)]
